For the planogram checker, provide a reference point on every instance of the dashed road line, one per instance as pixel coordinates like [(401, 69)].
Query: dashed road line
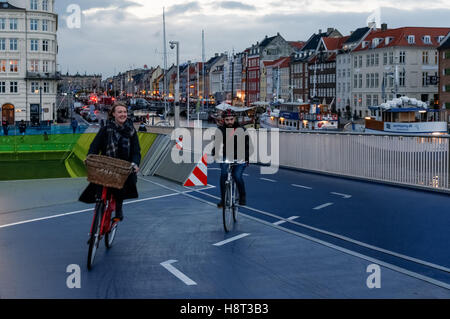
[(285, 221), (168, 265), (268, 180), (343, 195), (323, 206), (229, 240), (301, 186)]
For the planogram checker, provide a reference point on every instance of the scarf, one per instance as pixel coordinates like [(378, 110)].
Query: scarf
[(119, 139)]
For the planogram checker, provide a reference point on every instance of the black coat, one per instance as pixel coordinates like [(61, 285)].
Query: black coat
[(129, 190), (234, 139)]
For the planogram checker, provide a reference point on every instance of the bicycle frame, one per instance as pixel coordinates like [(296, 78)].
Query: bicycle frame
[(110, 203)]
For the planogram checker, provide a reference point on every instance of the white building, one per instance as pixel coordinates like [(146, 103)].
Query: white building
[(28, 55), (390, 62)]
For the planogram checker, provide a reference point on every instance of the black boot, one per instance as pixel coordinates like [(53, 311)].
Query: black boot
[(119, 211), (242, 200)]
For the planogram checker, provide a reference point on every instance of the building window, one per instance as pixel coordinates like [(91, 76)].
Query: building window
[(14, 66), (372, 59), (44, 25), (385, 58), (13, 24), (367, 60), (33, 5), (13, 87), (424, 78), (45, 45), (2, 87), (45, 68), (377, 59), (46, 88), (2, 44), (425, 57), (35, 87), (355, 62), (368, 100), (367, 80), (34, 66), (33, 24), (411, 39), (44, 5), (402, 57), (427, 39), (13, 44), (360, 81), (34, 45), (402, 78), (360, 61), (377, 80), (2, 23), (3, 66)]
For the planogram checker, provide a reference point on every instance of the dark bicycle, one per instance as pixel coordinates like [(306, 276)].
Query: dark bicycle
[(109, 173), (231, 201)]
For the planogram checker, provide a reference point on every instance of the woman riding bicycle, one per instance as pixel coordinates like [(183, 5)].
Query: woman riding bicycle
[(118, 139)]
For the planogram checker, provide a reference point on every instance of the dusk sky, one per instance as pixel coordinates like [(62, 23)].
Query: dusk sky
[(116, 35)]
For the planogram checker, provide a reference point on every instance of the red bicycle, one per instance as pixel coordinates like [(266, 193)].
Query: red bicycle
[(102, 224)]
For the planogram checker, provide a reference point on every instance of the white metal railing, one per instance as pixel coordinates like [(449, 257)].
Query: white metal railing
[(410, 160)]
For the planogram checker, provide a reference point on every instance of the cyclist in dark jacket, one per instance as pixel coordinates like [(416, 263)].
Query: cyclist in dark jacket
[(118, 139), (228, 130)]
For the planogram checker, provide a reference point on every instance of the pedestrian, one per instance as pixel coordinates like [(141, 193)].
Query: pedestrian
[(74, 125), (118, 139), (22, 128), (142, 127), (5, 124)]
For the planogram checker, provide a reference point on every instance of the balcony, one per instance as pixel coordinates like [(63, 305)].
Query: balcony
[(43, 76)]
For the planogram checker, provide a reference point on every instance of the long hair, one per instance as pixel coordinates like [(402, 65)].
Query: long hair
[(113, 109)]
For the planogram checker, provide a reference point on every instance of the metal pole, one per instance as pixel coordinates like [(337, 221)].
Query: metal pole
[(187, 92), (177, 94), (40, 104)]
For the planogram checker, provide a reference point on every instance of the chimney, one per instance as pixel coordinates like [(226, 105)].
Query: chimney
[(320, 31), (278, 33), (384, 26), (216, 54), (329, 30)]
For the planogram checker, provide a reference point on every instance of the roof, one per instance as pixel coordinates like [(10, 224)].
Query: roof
[(8, 6), (332, 44), (313, 42), (282, 62), (445, 44), (399, 37), (357, 35), (298, 45), (266, 41)]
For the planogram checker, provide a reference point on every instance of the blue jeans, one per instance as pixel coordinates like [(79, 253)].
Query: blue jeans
[(237, 172)]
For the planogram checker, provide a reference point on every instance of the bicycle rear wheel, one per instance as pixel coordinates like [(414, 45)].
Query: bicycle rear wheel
[(227, 208), (109, 237), (95, 234)]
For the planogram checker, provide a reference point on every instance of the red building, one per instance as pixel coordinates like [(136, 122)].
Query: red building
[(252, 75)]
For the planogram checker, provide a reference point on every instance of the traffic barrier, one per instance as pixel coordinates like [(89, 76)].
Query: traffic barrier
[(199, 176)]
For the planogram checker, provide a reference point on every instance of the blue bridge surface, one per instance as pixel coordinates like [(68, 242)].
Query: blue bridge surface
[(301, 235)]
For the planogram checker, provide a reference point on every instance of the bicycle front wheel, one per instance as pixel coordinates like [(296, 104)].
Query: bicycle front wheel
[(109, 237), (95, 234), (235, 203), (227, 208)]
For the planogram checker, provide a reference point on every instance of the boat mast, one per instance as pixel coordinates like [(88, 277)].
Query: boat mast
[(165, 64)]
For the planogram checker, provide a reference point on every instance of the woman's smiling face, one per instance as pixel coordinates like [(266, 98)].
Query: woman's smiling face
[(120, 114)]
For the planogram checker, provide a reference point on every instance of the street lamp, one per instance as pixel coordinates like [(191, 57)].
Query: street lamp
[(177, 89)]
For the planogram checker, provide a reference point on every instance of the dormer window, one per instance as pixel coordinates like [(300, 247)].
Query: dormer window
[(364, 44), (440, 38), (411, 39), (427, 39), (388, 40)]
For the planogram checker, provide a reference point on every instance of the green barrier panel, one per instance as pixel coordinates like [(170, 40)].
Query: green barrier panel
[(37, 143), (146, 140)]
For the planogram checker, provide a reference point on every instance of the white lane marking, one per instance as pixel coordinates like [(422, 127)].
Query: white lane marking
[(301, 186), (348, 239), (323, 206), (168, 265), (343, 195), (82, 211), (229, 240), (284, 221), (245, 174), (266, 179), (214, 169)]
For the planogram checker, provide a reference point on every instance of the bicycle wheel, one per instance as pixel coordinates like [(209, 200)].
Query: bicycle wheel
[(235, 203), (95, 235), (227, 208), (109, 236)]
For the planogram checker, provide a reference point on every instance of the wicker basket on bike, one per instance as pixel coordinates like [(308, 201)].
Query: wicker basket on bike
[(107, 171)]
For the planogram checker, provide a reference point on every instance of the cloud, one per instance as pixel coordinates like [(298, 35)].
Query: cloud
[(235, 5), (183, 8)]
